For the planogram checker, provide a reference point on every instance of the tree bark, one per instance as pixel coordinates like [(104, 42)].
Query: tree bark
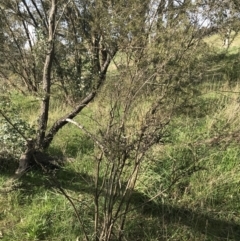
[(43, 119)]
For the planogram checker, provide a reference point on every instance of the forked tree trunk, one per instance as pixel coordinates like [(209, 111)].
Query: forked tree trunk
[(33, 145), (44, 139)]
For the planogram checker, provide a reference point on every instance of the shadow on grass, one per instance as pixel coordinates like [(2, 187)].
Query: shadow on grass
[(224, 66), (153, 216), (201, 222), (8, 165)]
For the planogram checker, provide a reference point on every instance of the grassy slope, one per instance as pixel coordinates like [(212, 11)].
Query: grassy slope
[(202, 205), (215, 40)]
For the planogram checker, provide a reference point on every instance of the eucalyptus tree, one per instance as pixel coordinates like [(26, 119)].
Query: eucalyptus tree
[(69, 43)]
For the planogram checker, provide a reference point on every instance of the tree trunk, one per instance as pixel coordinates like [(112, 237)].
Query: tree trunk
[(43, 139), (26, 157), (43, 119)]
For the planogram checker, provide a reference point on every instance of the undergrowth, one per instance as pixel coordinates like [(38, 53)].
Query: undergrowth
[(188, 187)]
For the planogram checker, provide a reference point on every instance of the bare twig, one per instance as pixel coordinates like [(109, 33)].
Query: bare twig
[(97, 142)]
